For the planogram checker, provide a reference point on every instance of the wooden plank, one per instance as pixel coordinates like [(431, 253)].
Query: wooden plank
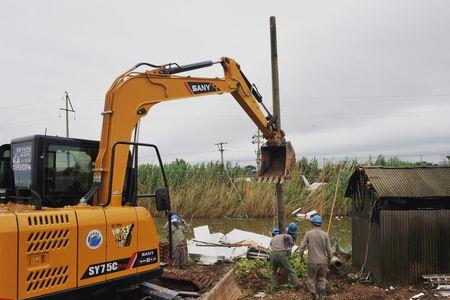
[(226, 289)]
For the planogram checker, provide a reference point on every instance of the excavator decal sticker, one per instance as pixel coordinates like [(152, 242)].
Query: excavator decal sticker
[(122, 234), (200, 87), (138, 259)]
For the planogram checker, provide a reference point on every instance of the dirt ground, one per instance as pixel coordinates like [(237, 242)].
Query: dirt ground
[(338, 286)]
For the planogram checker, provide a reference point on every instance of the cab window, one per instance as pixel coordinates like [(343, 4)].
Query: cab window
[(68, 172), (21, 167)]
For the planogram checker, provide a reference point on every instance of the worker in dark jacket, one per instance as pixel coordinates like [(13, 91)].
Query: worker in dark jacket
[(281, 246), (319, 255), (292, 231), (179, 246)]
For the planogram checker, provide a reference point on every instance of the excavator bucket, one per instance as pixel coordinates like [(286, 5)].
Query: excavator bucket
[(277, 162)]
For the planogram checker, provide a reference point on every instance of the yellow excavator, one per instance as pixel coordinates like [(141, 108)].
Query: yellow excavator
[(61, 250)]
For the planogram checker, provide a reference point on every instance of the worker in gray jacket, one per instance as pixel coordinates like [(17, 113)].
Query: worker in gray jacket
[(179, 246), (281, 246), (319, 255)]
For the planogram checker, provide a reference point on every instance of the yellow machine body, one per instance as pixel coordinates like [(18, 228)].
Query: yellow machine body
[(62, 249), (52, 250)]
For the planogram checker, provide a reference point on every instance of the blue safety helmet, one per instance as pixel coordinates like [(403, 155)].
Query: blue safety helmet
[(175, 219), (292, 228), (316, 220), (276, 230)]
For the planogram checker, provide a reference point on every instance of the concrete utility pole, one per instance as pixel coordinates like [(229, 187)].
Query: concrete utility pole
[(67, 109), (257, 139), (281, 216), (220, 147)]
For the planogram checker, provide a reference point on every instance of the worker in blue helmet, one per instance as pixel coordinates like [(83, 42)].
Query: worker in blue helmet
[(281, 248), (319, 255), (179, 245), (292, 231), (275, 231)]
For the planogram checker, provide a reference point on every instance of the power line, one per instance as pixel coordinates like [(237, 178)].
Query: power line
[(358, 97), (360, 115), (177, 154), (287, 117), (369, 96), (329, 115), (437, 95), (339, 156)]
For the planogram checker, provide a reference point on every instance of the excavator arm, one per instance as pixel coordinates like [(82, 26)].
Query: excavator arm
[(134, 93)]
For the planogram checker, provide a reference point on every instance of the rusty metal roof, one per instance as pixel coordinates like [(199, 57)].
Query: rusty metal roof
[(410, 182)]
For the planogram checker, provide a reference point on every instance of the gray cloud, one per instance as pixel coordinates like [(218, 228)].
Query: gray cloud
[(357, 77)]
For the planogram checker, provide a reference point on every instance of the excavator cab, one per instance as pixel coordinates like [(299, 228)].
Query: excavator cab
[(277, 162), (52, 249), (57, 169)]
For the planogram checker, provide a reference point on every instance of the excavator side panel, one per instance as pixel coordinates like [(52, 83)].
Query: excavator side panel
[(47, 252), (8, 256), (148, 245), (121, 238), (91, 245)]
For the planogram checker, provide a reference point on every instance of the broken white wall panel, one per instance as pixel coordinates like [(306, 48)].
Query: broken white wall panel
[(202, 234)]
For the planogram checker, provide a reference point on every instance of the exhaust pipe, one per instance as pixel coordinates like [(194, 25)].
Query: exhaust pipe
[(277, 162)]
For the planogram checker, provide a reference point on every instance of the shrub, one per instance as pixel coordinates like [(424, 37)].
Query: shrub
[(246, 266)]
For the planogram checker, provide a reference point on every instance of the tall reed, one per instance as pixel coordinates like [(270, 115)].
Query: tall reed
[(205, 189)]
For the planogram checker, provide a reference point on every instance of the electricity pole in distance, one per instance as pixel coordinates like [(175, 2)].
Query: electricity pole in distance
[(220, 147), (281, 216), (67, 109), (256, 139)]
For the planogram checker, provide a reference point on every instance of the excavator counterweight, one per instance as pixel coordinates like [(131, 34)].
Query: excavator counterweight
[(277, 162)]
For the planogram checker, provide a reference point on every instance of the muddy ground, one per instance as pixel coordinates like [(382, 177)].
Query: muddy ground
[(338, 286)]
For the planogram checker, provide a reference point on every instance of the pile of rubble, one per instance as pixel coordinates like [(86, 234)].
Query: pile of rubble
[(209, 248)]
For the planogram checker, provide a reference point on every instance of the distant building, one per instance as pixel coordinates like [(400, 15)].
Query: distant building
[(401, 218)]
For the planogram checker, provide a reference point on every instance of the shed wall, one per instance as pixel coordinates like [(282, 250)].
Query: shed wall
[(416, 242), (404, 246), (360, 235)]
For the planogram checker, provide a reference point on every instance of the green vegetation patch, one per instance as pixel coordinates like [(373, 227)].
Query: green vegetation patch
[(245, 267)]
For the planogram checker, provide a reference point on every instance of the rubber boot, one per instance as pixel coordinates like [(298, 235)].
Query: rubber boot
[(320, 296), (313, 296)]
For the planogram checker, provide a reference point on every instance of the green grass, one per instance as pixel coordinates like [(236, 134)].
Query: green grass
[(205, 189), (262, 267)]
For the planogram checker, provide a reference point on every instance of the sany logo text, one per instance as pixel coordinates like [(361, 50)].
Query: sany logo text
[(200, 87)]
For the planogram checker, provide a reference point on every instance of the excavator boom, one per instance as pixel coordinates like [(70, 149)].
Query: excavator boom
[(132, 95)]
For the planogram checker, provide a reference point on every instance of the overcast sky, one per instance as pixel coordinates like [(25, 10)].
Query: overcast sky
[(357, 78)]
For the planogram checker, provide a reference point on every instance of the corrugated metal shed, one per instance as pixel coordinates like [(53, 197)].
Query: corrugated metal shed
[(410, 182), (401, 222)]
